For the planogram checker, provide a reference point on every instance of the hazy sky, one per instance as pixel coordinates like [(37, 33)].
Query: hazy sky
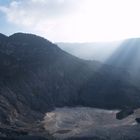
[(72, 20)]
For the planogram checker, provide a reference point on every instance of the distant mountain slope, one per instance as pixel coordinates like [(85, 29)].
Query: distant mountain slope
[(36, 76), (99, 51)]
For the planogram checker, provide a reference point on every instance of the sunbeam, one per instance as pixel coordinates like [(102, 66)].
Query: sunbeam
[(127, 56)]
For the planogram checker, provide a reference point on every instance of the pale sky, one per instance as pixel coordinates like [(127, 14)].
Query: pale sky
[(72, 20)]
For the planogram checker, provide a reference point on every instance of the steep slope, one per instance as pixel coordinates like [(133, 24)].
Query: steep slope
[(36, 76)]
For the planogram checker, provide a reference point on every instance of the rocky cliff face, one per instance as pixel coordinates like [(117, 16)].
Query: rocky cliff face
[(36, 76)]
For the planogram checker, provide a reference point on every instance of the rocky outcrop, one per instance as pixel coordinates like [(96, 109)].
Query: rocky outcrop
[(124, 113)]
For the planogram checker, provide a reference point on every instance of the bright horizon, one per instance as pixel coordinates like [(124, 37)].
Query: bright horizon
[(72, 20)]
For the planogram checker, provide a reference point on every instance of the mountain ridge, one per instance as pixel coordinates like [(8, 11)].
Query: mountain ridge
[(36, 76)]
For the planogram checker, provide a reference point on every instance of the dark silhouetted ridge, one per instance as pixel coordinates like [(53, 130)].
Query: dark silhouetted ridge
[(3, 37)]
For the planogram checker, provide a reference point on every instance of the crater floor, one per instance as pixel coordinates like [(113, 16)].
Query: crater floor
[(87, 122)]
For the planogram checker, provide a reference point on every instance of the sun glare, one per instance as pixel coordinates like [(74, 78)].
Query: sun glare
[(76, 20)]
